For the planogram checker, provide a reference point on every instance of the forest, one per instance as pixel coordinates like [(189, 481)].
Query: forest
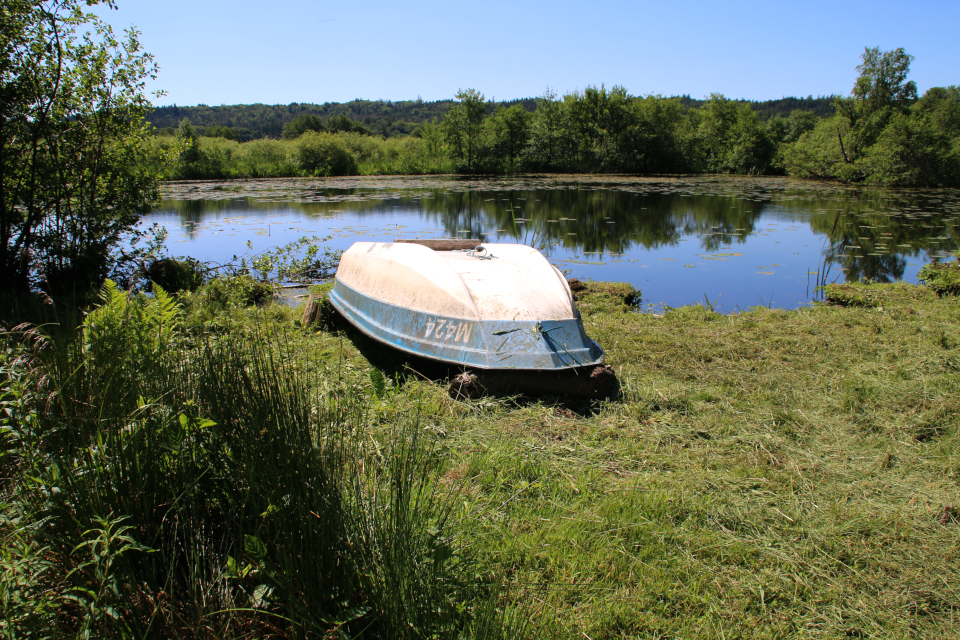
[(387, 118), (882, 133)]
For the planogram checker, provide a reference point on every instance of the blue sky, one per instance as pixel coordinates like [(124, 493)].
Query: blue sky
[(282, 51)]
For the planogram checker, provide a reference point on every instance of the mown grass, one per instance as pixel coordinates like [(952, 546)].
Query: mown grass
[(768, 474)]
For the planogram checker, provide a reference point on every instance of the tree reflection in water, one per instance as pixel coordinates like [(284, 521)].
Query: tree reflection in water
[(866, 233)]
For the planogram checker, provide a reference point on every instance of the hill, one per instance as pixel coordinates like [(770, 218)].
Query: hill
[(387, 118)]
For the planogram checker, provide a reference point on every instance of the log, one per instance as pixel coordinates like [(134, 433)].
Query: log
[(591, 383), (311, 312), (442, 244)]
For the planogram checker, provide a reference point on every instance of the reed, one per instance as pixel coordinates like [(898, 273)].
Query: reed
[(162, 484)]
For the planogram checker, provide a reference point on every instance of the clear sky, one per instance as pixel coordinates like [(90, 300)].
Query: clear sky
[(282, 51)]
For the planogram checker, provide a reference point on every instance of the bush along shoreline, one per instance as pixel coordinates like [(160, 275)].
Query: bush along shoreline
[(882, 133)]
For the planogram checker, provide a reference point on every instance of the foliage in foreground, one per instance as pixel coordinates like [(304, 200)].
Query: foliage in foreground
[(163, 484)]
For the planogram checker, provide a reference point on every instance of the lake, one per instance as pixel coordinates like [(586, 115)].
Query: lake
[(730, 242)]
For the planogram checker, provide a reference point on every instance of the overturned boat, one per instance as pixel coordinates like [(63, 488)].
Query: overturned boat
[(489, 306)]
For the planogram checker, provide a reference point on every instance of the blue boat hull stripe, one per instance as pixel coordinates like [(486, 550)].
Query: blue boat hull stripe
[(490, 344)]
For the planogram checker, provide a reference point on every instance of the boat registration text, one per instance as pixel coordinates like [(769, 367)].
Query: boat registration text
[(446, 330)]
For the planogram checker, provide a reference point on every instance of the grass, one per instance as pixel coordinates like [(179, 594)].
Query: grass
[(167, 479), (942, 277), (768, 474)]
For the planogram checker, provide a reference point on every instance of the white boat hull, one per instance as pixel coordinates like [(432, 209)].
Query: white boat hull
[(504, 307)]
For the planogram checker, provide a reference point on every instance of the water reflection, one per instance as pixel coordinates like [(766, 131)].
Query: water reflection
[(855, 234)]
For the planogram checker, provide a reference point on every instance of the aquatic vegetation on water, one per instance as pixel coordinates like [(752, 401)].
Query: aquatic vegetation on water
[(669, 221)]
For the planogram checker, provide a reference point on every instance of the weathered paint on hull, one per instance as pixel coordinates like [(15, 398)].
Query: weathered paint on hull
[(484, 344)]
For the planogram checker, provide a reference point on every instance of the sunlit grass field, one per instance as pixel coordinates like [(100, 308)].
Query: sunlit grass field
[(767, 474)]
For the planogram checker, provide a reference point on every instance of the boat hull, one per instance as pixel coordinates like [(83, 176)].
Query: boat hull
[(471, 342)]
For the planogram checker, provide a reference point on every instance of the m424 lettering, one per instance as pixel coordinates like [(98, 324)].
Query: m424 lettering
[(447, 331)]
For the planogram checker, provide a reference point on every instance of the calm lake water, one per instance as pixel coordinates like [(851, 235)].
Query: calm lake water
[(731, 241)]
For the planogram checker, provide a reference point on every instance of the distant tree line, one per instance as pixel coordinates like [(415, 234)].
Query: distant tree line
[(881, 133), (385, 118)]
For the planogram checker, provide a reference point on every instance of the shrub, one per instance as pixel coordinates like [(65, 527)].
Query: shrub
[(265, 158), (175, 275), (323, 154), (942, 277), (236, 291)]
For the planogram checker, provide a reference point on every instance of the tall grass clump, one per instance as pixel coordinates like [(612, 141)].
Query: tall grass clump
[(160, 484), (324, 154), (265, 159)]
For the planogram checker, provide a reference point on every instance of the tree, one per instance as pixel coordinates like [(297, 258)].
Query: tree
[(218, 131), (942, 106), (912, 151), (509, 130), (463, 126), (732, 138), (301, 124), (881, 133), (72, 144), (661, 127), (342, 124), (551, 144), (604, 123), (880, 92)]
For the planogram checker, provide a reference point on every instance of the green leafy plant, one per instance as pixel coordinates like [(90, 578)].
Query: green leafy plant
[(290, 262), (323, 154), (942, 277), (72, 146), (98, 588), (240, 290), (138, 326)]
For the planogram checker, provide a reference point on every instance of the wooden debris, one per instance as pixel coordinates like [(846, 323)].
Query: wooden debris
[(443, 244), (592, 383), (311, 312)]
